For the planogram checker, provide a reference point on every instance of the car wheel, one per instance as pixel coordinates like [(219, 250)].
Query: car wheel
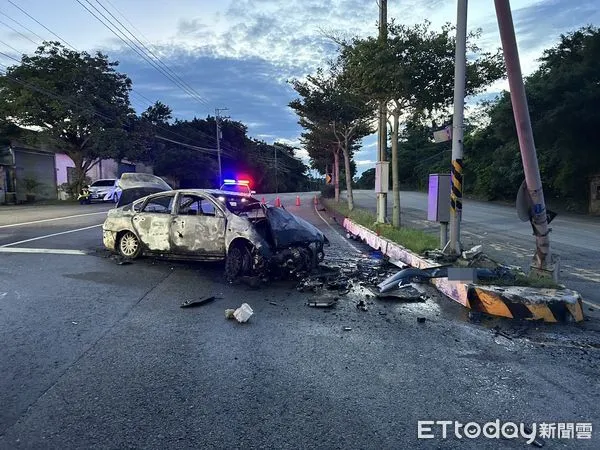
[(238, 262), (129, 245)]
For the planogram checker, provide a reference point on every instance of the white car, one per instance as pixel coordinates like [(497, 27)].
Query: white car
[(132, 185), (99, 189)]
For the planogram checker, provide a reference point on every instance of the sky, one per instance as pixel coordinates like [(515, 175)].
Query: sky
[(241, 54)]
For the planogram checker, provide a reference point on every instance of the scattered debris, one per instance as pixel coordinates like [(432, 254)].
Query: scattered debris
[(124, 262), (243, 313), (323, 303), (199, 302), (229, 313), (74, 323), (362, 305), (420, 319), (347, 328), (591, 309), (273, 303), (499, 332), (473, 252)]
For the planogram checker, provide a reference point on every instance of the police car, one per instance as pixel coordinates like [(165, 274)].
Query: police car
[(237, 186)]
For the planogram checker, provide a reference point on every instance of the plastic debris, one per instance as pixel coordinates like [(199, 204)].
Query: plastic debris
[(243, 313), (473, 252), (322, 303), (347, 328), (199, 302)]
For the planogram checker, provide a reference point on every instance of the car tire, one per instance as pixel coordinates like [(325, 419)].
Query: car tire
[(238, 261), (129, 246)]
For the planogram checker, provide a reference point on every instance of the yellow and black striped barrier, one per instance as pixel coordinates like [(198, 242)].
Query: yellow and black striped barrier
[(548, 305), (457, 186)]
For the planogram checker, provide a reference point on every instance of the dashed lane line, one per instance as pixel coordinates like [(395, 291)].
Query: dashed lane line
[(47, 251), (49, 235), (50, 220)]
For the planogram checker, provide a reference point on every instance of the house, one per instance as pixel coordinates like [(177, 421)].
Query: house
[(28, 172)]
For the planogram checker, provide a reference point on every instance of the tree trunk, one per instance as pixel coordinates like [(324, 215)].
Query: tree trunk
[(395, 177), (336, 174), (348, 171)]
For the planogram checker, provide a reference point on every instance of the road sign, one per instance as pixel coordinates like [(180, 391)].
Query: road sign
[(328, 178), (443, 135)]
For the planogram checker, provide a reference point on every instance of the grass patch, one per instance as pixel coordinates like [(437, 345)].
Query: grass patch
[(415, 240), (523, 281)]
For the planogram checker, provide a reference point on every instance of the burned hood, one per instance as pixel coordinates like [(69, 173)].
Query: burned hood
[(289, 229), (132, 194), (137, 185)]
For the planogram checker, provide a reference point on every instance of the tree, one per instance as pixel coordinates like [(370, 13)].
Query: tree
[(413, 73), (366, 180), (564, 105), (335, 114), (79, 102)]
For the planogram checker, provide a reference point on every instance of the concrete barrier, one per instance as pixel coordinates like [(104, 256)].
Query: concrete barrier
[(515, 302)]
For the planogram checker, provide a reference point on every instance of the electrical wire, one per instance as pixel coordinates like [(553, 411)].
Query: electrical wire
[(39, 23)]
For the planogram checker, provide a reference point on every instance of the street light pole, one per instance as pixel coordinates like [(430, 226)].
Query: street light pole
[(544, 263), (460, 67)]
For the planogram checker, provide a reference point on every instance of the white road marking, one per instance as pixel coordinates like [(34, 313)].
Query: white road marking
[(335, 231), (49, 251), (49, 235), (50, 220)]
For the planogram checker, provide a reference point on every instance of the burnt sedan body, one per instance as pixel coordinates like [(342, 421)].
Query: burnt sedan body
[(215, 225)]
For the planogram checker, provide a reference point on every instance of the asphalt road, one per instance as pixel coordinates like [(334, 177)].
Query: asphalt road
[(100, 355), (576, 239)]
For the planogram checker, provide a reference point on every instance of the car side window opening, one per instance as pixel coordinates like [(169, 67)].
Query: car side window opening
[(192, 205), (160, 205)]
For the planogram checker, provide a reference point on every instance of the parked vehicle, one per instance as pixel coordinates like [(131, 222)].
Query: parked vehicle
[(215, 225), (131, 186), (100, 188)]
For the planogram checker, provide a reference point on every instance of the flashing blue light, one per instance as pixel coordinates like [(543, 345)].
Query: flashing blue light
[(229, 181)]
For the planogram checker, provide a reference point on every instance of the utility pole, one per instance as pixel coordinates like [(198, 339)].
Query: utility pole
[(544, 263), (217, 118), (276, 179), (382, 133), (460, 68)]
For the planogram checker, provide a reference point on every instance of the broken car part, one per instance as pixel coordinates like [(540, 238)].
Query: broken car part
[(199, 302)]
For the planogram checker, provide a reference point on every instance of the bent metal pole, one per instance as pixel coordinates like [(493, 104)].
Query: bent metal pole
[(460, 68), (518, 97)]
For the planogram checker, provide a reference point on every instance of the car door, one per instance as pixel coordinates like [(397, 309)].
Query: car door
[(153, 222), (198, 227)]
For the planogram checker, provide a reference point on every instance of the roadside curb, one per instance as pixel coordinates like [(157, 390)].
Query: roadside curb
[(514, 302)]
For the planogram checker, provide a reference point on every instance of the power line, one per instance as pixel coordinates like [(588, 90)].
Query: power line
[(133, 46), (39, 23), (21, 25), (167, 68), (17, 31)]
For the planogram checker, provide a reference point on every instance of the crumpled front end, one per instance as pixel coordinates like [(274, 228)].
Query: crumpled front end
[(297, 243)]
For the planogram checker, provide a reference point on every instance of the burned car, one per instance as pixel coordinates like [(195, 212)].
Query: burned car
[(252, 238)]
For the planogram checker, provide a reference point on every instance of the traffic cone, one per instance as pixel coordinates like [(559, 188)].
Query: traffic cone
[(263, 201), (316, 200), (297, 200), (278, 202)]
